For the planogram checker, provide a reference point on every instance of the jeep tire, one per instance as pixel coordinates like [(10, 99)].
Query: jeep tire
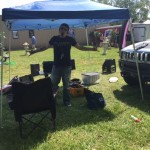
[(131, 80)]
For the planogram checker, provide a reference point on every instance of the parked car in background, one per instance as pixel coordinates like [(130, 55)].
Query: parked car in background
[(141, 31)]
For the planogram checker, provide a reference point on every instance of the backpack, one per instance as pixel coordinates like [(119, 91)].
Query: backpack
[(94, 100)]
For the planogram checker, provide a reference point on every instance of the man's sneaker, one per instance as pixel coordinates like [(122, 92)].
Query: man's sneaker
[(69, 105)]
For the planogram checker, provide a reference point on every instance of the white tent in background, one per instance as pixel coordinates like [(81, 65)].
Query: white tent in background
[(147, 22)]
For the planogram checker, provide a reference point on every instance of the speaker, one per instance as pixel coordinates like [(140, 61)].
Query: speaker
[(35, 68), (47, 66), (109, 66)]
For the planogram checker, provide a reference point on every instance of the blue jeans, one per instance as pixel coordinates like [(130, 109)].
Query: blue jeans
[(63, 73)]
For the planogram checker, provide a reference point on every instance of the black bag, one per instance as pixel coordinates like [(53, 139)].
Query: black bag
[(94, 100), (24, 79), (75, 83), (8, 92), (14, 79)]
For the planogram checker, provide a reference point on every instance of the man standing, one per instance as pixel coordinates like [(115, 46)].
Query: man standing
[(105, 45), (62, 60)]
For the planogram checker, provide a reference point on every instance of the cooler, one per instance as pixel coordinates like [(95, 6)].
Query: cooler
[(91, 78)]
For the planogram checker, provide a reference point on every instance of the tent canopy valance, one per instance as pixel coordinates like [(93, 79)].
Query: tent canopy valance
[(51, 13)]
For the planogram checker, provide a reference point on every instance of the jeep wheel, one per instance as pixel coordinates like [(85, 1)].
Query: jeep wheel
[(131, 80)]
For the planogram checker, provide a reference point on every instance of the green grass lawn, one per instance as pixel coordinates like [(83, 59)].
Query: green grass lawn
[(79, 128)]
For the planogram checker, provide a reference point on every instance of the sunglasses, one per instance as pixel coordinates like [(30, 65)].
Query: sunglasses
[(63, 28)]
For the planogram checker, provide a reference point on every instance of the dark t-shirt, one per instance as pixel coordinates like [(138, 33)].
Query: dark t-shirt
[(62, 47)]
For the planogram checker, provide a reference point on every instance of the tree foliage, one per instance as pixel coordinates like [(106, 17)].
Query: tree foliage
[(139, 9)]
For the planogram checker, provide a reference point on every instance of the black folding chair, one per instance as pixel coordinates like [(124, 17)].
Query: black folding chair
[(30, 99)]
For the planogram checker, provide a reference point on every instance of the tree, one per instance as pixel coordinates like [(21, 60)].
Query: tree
[(139, 9), (94, 37)]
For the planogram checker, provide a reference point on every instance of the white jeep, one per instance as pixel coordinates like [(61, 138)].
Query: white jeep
[(127, 63)]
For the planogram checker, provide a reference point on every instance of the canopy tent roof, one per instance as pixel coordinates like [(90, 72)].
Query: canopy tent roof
[(51, 13)]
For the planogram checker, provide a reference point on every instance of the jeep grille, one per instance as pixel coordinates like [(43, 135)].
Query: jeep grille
[(142, 57)]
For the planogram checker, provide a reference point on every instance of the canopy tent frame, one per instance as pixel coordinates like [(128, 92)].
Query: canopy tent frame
[(50, 14), (136, 59)]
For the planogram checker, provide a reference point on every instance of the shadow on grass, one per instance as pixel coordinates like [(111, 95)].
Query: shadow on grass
[(10, 136), (79, 114), (131, 95), (10, 139), (67, 117)]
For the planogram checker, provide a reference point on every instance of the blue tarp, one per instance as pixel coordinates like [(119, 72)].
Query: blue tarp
[(51, 13)]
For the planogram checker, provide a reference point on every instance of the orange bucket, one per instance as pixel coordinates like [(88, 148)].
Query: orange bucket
[(77, 91)]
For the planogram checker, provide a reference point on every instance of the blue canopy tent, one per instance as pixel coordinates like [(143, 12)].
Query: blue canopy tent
[(49, 14)]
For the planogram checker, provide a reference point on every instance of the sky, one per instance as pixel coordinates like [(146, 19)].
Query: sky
[(12, 3)]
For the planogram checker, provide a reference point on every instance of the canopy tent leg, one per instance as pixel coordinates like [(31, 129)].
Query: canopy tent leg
[(87, 39), (136, 59), (2, 65), (1, 107), (10, 37)]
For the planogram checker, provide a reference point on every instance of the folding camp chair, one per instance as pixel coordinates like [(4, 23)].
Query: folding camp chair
[(8, 92), (33, 98)]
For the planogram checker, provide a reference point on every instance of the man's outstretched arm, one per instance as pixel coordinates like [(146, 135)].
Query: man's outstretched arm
[(83, 48), (38, 50)]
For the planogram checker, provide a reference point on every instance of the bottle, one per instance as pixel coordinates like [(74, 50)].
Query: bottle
[(135, 118)]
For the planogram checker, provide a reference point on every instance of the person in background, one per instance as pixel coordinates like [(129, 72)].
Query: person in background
[(117, 38), (72, 33), (113, 37), (101, 39), (33, 42), (61, 69), (105, 45)]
